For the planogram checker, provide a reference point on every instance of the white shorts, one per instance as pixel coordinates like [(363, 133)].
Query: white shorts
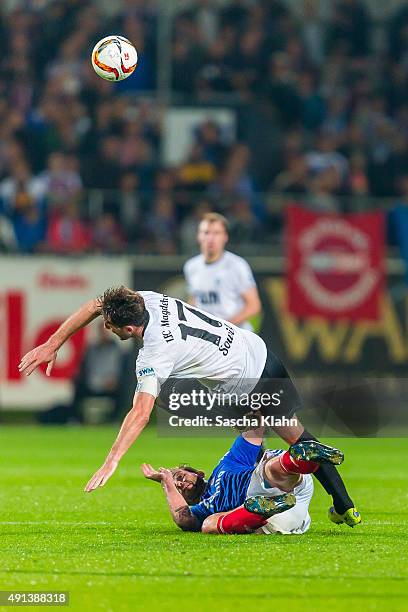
[(294, 521)]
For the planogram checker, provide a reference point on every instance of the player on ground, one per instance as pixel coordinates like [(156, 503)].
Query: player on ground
[(219, 281), (177, 340), (272, 496)]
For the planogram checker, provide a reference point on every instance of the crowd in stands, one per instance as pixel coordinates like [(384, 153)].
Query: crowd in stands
[(322, 112)]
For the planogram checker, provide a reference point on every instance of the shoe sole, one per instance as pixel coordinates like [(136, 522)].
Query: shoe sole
[(316, 451), (269, 506), (337, 519)]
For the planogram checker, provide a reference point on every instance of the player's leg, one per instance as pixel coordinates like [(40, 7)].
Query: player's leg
[(210, 523), (276, 376), (328, 476), (251, 516), (269, 495), (296, 520)]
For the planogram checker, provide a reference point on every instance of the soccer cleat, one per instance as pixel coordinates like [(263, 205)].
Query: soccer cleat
[(351, 517), (312, 450), (268, 506)]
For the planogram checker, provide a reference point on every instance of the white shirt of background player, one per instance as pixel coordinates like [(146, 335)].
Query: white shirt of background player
[(219, 281)]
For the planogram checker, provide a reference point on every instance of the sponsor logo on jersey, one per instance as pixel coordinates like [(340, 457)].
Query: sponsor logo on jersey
[(145, 372), (165, 319), (208, 297)]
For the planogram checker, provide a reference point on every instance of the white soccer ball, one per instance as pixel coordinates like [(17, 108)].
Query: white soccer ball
[(114, 58)]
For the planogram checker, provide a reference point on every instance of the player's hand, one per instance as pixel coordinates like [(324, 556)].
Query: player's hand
[(166, 476), (101, 477), (150, 473), (40, 354)]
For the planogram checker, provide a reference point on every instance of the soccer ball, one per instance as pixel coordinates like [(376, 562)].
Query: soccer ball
[(114, 58)]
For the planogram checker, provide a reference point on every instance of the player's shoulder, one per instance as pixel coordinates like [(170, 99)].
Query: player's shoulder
[(193, 263), (236, 261), (150, 296)]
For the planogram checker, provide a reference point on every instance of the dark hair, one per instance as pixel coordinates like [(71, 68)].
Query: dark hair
[(122, 306), (194, 494)]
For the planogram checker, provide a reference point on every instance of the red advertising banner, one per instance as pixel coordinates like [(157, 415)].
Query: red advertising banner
[(335, 264), (36, 295)]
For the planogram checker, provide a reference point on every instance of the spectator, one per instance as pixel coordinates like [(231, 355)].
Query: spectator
[(285, 75), (209, 136), (313, 106), (196, 173), (326, 157), (188, 228), (20, 181), (161, 226), (8, 240), (358, 179), (321, 187), (350, 28), (398, 221), (135, 150), (106, 235), (99, 374), (279, 89), (312, 31), (294, 178), (60, 181), (129, 213), (244, 227), (66, 232), (103, 170), (29, 221)]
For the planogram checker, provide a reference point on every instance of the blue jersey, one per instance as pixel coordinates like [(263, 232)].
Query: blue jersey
[(228, 484)]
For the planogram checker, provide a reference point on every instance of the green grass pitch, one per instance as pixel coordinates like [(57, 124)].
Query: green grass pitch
[(117, 549)]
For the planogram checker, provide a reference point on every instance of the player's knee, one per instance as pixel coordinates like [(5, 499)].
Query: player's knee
[(272, 471), (210, 524), (290, 434), (276, 477)]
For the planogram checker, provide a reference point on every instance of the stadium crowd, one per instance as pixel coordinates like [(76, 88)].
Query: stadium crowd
[(322, 112)]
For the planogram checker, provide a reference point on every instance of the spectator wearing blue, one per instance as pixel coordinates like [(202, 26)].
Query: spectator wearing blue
[(398, 222)]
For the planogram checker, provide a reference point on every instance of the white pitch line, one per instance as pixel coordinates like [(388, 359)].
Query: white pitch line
[(76, 523)]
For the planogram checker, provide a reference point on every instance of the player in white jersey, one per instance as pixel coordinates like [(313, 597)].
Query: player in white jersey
[(218, 281), (180, 341)]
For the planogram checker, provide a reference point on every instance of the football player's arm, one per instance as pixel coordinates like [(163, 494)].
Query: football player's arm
[(252, 306), (47, 352), (179, 510), (254, 436), (134, 423)]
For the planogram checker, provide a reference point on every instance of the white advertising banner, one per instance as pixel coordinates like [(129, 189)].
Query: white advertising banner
[(180, 125), (36, 295)]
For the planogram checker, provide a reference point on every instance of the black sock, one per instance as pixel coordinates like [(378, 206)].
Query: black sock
[(331, 481)]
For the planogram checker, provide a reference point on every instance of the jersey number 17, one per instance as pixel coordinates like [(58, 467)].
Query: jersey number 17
[(197, 332)]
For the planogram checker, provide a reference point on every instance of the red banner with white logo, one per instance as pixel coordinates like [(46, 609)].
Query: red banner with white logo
[(335, 264)]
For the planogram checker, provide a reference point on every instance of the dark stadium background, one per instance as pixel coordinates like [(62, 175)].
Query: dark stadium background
[(242, 107)]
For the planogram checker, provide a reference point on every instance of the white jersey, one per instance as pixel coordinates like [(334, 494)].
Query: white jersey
[(217, 287), (296, 520), (182, 341)]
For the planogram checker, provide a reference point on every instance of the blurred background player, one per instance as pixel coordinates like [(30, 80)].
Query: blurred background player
[(219, 281)]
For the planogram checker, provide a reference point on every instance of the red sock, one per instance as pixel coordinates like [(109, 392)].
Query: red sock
[(240, 521), (297, 466)]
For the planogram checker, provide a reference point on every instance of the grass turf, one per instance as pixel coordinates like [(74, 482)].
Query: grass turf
[(117, 549)]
